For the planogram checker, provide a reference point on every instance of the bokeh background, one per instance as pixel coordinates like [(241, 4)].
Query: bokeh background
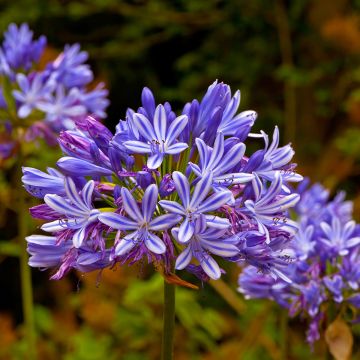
[(297, 63)]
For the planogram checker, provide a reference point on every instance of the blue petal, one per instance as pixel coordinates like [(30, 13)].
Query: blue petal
[(175, 129), (273, 190), (125, 244), (130, 205), (73, 195), (164, 222), (87, 192), (117, 221), (217, 222), (155, 160), (182, 187), (186, 231), (160, 123), (137, 147), (60, 205), (209, 265), (201, 190), (217, 152), (172, 206), (203, 152), (215, 201), (149, 202), (232, 158), (220, 248), (78, 167), (176, 148), (144, 126), (233, 178), (59, 225), (155, 244), (183, 259), (79, 237)]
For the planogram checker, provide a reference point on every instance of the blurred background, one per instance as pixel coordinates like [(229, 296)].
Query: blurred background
[(297, 63)]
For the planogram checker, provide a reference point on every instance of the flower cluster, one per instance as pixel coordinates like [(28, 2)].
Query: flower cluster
[(45, 101), (326, 274), (175, 191)]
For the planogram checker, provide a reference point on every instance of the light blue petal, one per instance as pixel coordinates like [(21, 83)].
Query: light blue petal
[(117, 221), (217, 222), (175, 129), (149, 202), (125, 245), (231, 158), (155, 160), (182, 187), (60, 205), (215, 201), (220, 248), (209, 265), (73, 195), (144, 126), (87, 192), (164, 222), (186, 231), (137, 147), (217, 152), (160, 123), (79, 237), (172, 206), (184, 258), (155, 244), (130, 205), (176, 148), (203, 152), (201, 190)]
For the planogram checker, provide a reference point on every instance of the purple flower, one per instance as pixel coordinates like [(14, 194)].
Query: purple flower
[(192, 207), (142, 223), (159, 138), (77, 210), (204, 241)]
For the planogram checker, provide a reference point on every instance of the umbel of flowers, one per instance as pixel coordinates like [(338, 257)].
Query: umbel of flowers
[(326, 274), (40, 102), (177, 191)]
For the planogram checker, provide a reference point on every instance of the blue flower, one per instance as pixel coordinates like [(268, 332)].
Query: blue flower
[(195, 205), (32, 93), (204, 241), (339, 238), (19, 48), (159, 139), (141, 222), (268, 207), (219, 160), (77, 210)]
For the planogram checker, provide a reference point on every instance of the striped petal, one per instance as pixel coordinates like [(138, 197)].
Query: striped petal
[(160, 123), (217, 222), (79, 237), (273, 190), (209, 265), (186, 231), (137, 147), (155, 160), (130, 205), (217, 152), (155, 244), (172, 206), (117, 221), (87, 193), (232, 157), (279, 205), (176, 148), (201, 190), (62, 224), (125, 244), (164, 222), (149, 202), (220, 248), (203, 152), (73, 194), (184, 258), (60, 205), (144, 126), (175, 129), (233, 178), (215, 201), (182, 187)]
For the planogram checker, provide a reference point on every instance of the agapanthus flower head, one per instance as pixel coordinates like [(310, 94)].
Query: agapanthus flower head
[(151, 192), (47, 100), (326, 271)]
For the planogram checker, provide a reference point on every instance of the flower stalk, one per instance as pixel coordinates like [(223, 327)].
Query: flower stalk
[(167, 347)]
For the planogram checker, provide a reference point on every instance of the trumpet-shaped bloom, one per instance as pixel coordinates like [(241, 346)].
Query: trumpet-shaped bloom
[(77, 210), (141, 222), (193, 206), (159, 137), (204, 241)]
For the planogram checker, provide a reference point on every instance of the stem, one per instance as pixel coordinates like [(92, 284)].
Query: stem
[(25, 271), (168, 322)]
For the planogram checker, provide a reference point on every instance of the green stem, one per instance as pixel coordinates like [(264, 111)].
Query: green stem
[(168, 322), (25, 272)]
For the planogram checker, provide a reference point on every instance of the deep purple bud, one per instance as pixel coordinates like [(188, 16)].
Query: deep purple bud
[(148, 102), (144, 179), (167, 186)]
